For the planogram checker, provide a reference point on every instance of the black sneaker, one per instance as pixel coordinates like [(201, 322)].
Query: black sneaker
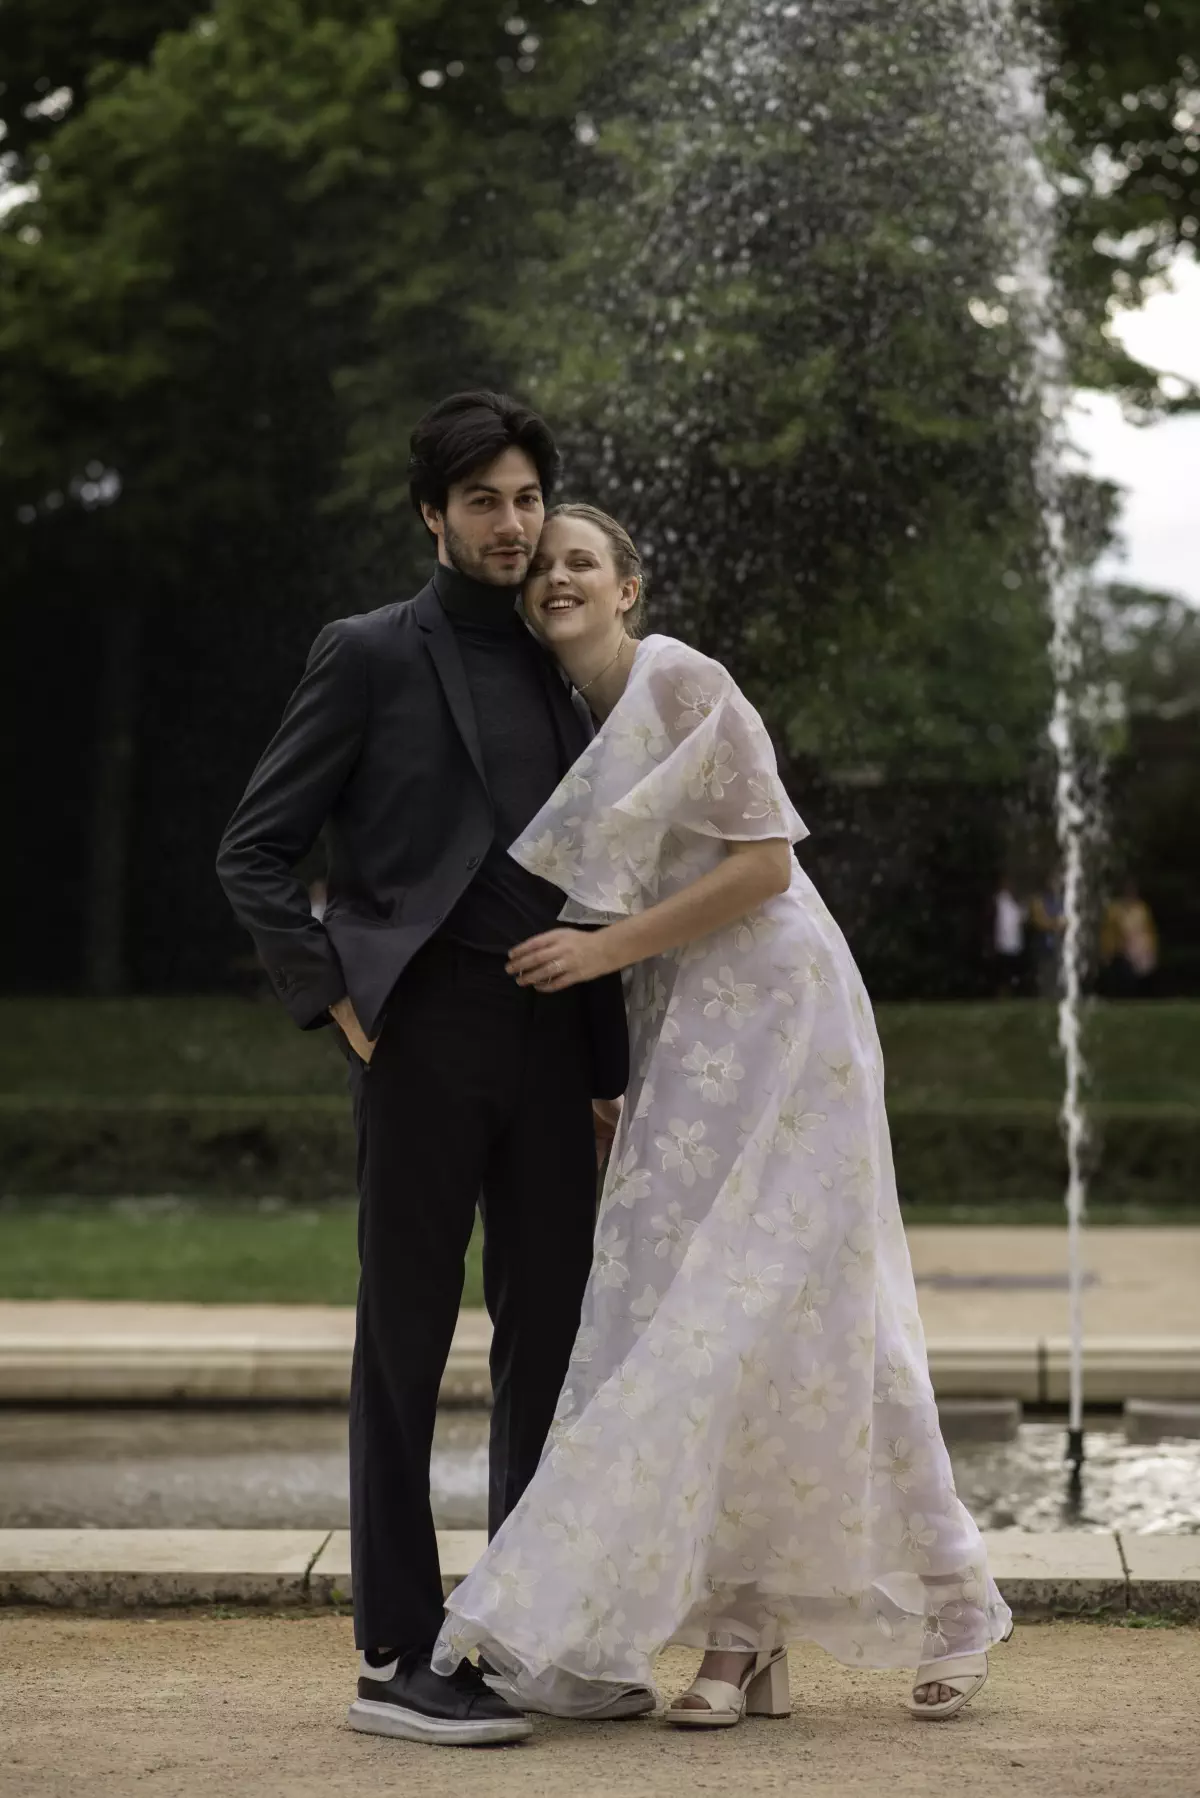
[(407, 1698)]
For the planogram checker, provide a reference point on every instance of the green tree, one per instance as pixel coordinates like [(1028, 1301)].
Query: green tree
[(223, 229), (51, 52), (1123, 85), (1152, 653)]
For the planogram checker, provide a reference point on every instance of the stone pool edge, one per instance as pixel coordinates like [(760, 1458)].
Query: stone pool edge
[(1068, 1573), (266, 1366)]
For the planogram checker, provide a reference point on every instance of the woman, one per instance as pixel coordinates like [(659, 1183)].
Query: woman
[(746, 1450), (1128, 946)]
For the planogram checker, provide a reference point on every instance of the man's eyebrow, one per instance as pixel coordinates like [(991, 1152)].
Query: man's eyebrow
[(486, 487)]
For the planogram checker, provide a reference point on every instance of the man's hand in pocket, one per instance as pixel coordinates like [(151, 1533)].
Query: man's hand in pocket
[(344, 1017)]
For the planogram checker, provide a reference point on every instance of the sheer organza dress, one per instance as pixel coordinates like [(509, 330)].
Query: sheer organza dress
[(747, 1448)]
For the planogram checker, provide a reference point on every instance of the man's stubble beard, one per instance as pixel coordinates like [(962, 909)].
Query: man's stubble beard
[(478, 567)]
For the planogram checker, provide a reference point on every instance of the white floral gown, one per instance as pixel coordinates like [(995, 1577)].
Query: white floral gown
[(746, 1449)]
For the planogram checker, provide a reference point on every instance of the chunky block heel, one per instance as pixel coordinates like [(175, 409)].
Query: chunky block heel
[(762, 1692), (769, 1693)]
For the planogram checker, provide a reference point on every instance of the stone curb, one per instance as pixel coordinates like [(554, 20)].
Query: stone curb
[(178, 1367), (119, 1569), (205, 1361), (1071, 1573)]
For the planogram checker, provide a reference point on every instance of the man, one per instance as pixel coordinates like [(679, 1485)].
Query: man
[(1048, 924), (422, 740)]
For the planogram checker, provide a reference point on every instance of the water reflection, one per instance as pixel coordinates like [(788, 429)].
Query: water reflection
[(208, 1469), (287, 1469), (1126, 1485)]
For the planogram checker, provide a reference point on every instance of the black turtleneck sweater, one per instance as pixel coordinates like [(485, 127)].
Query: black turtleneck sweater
[(522, 761)]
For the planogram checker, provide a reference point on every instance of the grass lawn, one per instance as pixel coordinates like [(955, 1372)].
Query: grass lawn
[(139, 1249), (936, 1054), (166, 1250), (207, 1097)]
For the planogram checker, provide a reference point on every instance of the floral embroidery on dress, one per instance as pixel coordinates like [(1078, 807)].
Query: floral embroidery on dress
[(713, 774), (695, 705), (685, 1152), (641, 742), (627, 1182), (714, 1073), (553, 858), (732, 999), (766, 800)]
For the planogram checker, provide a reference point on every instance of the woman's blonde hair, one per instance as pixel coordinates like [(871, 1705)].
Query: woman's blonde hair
[(625, 555)]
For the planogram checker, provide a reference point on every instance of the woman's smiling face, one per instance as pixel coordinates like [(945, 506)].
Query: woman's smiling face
[(573, 594)]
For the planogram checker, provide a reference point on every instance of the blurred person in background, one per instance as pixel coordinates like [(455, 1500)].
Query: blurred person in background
[(1048, 923), (1128, 946), (1008, 940)]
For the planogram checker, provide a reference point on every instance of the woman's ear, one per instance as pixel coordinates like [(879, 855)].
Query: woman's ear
[(629, 593)]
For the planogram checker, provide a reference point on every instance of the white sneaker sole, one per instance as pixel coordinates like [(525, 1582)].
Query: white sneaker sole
[(375, 1719), (635, 1702)]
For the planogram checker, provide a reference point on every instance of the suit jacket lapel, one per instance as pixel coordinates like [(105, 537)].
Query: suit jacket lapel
[(439, 641)]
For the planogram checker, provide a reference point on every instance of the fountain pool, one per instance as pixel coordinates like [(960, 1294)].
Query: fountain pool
[(252, 1469)]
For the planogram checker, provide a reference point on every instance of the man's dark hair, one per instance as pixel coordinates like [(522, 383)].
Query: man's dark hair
[(469, 430)]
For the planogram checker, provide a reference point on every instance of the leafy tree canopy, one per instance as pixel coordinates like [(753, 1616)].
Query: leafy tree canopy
[(218, 236), (1123, 84)]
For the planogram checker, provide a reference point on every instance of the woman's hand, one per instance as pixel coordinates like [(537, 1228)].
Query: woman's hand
[(559, 958)]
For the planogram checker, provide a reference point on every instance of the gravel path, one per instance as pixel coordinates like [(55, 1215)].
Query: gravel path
[(188, 1705)]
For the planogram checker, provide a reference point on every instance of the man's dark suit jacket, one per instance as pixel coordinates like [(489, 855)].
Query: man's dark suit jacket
[(379, 747)]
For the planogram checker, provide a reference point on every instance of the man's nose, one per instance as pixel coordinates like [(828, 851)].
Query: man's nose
[(509, 524)]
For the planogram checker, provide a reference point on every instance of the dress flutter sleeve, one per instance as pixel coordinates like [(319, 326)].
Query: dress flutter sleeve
[(718, 775), (684, 757)]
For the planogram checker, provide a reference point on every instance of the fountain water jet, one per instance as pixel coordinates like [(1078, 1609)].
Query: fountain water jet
[(1075, 827), (1072, 826)]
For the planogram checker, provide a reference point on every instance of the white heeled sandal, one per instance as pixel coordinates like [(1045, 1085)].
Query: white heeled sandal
[(964, 1674), (763, 1691)]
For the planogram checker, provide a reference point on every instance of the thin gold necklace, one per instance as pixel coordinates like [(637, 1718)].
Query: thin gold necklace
[(591, 683)]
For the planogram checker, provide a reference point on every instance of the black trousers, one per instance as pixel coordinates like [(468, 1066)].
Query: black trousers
[(477, 1092)]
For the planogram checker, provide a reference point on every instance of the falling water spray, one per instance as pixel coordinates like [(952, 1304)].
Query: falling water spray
[(762, 139), (1072, 826), (1066, 582)]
